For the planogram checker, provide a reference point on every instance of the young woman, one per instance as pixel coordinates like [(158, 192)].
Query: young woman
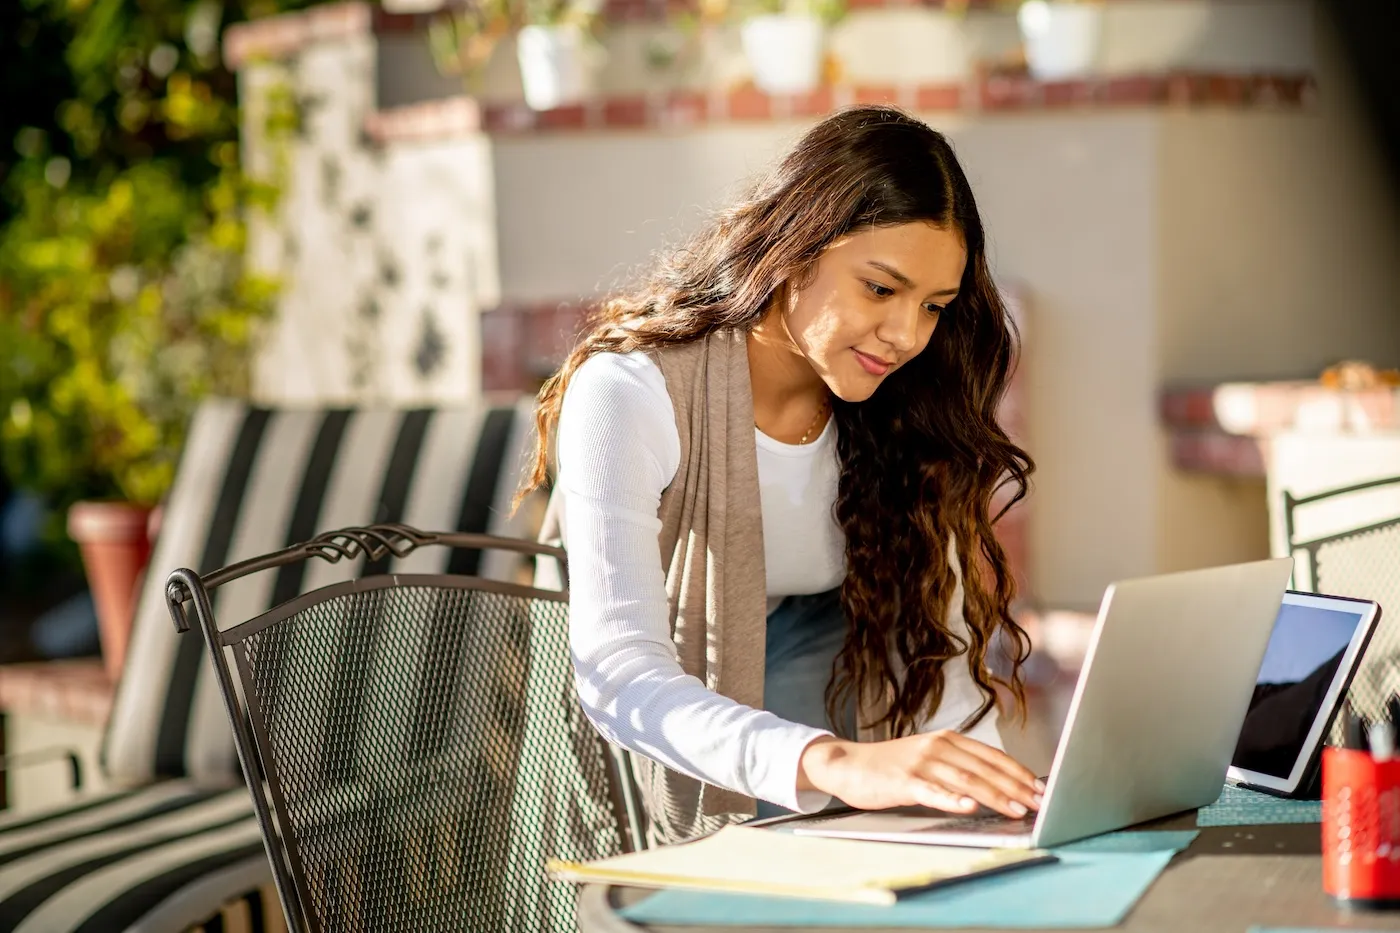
[(776, 463)]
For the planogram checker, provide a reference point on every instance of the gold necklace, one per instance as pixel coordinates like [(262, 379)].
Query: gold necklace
[(821, 407)]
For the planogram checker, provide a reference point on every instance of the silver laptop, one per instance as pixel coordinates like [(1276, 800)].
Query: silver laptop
[(1153, 723)]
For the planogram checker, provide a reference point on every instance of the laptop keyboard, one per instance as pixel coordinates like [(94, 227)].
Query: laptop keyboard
[(983, 824), (993, 824)]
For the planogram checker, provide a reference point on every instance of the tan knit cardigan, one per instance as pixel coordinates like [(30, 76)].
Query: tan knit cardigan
[(711, 546), (712, 549)]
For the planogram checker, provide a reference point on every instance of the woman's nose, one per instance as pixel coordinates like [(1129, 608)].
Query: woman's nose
[(900, 327)]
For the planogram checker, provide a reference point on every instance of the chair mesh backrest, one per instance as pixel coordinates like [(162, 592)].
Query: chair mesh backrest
[(1368, 565), (1365, 564), (431, 755)]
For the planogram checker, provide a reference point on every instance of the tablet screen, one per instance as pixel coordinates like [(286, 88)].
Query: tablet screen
[(1304, 653)]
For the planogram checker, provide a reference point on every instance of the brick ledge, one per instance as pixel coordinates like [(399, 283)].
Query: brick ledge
[(286, 34), (1259, 409), (75, 690), (1218, 453), (682, 109)]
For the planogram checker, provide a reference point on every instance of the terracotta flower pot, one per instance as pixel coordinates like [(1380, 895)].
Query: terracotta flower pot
[(116, 547)]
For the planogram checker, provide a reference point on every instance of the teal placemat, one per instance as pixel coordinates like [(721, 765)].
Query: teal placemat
[(1094, 884), (1240, 807), (1130, 840)]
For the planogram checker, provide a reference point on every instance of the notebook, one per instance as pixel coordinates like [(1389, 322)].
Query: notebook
[(748, 860)]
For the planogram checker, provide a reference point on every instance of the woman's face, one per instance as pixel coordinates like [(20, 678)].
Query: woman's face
[(872, 303)]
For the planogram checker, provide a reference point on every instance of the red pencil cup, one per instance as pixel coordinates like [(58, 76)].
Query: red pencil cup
[(1360, 828)]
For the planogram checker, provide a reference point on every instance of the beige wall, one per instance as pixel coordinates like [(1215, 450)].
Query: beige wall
[(1280, 241), (1068, 202), (1279, 248), (580, 213)]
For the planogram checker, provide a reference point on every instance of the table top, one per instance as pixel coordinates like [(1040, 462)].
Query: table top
[(1230, 879)]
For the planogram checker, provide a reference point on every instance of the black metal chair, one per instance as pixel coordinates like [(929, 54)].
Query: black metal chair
[(413, 742), (1360, 557)]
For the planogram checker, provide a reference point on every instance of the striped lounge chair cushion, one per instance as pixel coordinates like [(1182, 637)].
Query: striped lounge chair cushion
[(254, 480), (182, 850), (164, 858)]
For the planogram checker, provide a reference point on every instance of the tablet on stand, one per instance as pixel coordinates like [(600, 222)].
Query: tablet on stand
[(1313, 653)]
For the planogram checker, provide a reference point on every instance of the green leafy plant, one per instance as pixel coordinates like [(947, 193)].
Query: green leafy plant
[(828, 11), (581, 13), (962, 6), (462, 40), (124, 298), (115, 320)]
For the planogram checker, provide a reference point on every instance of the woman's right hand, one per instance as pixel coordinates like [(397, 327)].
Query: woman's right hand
[(944, 770)]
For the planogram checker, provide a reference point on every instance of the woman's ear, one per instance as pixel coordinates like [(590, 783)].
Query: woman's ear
[(787, 296), (802, 278)]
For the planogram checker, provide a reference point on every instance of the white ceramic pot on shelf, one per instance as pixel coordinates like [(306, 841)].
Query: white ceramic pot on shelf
[(784, 52), (1061, 39), (556, 65)]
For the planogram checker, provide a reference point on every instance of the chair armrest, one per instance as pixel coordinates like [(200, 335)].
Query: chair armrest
[(25, 759)]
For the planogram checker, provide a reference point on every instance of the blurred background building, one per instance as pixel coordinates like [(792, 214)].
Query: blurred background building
[(1205, 204), (1191, 204)]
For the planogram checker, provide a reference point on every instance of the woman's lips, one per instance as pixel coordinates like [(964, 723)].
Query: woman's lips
[(872, 365)]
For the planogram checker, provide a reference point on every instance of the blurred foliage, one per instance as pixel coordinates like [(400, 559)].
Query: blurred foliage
[(123, 294), (714, 11), (463, 37)]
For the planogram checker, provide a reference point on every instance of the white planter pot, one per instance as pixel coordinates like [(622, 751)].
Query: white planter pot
[(556, 65), (784, 52), (1062, 39)]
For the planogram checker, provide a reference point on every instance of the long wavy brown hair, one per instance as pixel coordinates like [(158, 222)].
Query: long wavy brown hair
[(921, 460)]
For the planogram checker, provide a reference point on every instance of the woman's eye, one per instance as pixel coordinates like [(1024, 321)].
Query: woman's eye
[(878, 290), (935, 310)]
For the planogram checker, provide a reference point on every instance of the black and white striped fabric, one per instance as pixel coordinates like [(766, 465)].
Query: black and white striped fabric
[(181, 850), (169, 857), (254, 480)]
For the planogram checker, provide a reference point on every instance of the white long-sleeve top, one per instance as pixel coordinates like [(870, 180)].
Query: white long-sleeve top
[(618, 450)]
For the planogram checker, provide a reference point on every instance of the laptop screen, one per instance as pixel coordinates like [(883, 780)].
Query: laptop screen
[(1300, 663)]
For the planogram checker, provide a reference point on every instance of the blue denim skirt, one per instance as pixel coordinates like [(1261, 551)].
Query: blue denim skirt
[(804, 635)]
